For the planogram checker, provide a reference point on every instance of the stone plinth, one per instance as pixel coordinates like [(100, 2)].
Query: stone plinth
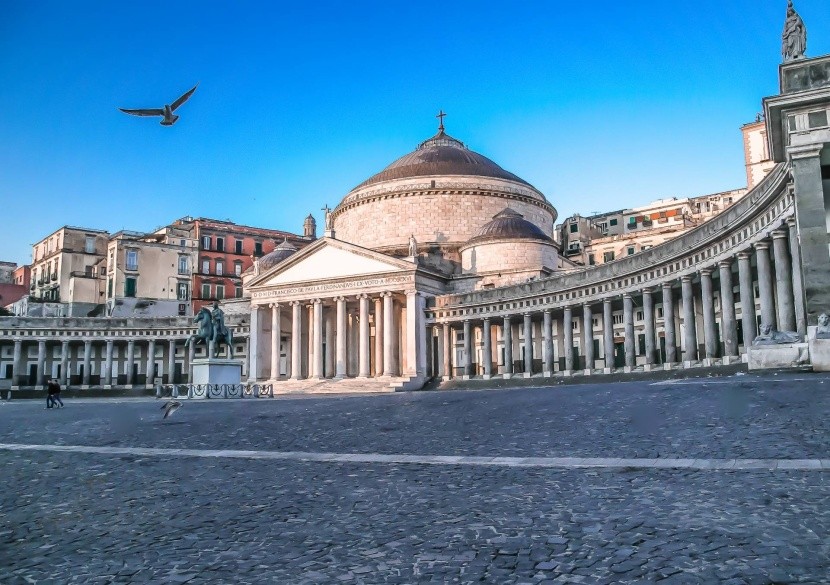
[(820, 354), (787, 355), (217, 371)]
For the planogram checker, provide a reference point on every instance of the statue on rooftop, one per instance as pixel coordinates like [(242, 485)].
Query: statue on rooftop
[(794, 42), (413, 246)]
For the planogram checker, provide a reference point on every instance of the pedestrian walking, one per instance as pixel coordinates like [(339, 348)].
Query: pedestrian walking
[(50, 392), (54, 393)]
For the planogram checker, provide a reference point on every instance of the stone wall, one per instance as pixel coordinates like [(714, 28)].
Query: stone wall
[(508, 255)]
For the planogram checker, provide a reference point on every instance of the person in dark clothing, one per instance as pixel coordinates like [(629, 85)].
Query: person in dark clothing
[(53, 397)]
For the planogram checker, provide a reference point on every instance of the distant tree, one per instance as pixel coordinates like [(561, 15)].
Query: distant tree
[(4, 312)]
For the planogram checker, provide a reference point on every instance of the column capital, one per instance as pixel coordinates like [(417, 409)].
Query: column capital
[(647, 290), (725, 264), (791, 223), (745, 255), (806, 151), (780, 234), (316, 301), (486, 320), (706, 271), (667, 285), (627, 295), (607, 301), (762, 245), (361, 296), (548, 311), (385, 294), (340, 299), (296, 303), (686, 278)]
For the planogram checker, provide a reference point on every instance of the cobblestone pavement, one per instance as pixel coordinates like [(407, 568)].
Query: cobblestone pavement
[(72, 517)]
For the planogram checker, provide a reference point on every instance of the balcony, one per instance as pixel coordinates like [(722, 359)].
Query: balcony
[(54, 276)]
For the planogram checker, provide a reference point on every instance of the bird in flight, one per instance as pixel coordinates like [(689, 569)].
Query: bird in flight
[(168, 118), (171, 407)]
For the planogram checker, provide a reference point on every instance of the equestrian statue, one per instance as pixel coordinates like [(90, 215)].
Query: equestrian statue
[(212, 331)]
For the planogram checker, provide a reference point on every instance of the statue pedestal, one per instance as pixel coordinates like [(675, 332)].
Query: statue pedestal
[(217, 371), (785, 355)]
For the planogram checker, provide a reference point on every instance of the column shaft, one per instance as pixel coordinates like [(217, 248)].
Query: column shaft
[(547, 336), (379, 337), (171, 361), (389, 333), (650, 332), (363, 357), (690, 333), (708, 301), (668, 323), (447, 357), (798, 279), (131, 362), (341, 330), (87, 362), (729, 326), (747, 290), (317, 339), (528, 335), (468, 349), (17, 362), (151, 362), (41, 363), (507, 338), (568, 335), (296, 341), (608, 333), (276, 336), (487, 350), (765, 285), (64, 377), (783, 281), (107, 375), (588, 336), (628, 320)]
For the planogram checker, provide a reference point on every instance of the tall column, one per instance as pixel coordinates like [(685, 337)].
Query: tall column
[(64, 378), (765, 285), (296, 340), (468, 349), (447, 334), (151, 361), (107, 375), (379, 337), (747, 290), (812, 228), (588, 337), (608, 333), (388, 335), (798, 279), (131, 362), (690, 332), (507, 337), (416, 335), (710, 336), (650, 332), (628, 321), (547, 336), (668, 323), (317, 339), (191, 355), (341, 330), (528, 335), (729, 326), (253, 350), (276, 335), (568, 334), (87, 361), (17, 363), (487, 350), (363, 357), (41, 363), (783, 280), (171, 361)]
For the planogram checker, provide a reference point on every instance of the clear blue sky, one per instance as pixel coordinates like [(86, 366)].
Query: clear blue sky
[(601, 105)]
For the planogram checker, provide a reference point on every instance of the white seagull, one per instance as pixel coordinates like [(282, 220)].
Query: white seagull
[(168, 118), (171, 407)]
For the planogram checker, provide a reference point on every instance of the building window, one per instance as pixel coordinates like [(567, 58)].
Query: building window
[(608, 256), (237, 268), (618, 319), (109, 288), (89, 245), (238, 244), (238, 292), (630, 250), (640, 316), (220, 244), (183, 243), (612, 222), (220, 292), (205, 291), (183, 291), (591, 260), (130, 286), (220, 267), (205, 242), (632, 222), (574, 228), (205, 266), (183, 265), (132, 259), (258, 249)]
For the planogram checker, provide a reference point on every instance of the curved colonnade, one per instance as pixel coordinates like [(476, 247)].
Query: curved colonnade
[(696, 300)]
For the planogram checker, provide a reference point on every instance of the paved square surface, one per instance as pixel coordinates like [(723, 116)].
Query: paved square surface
[(723, 481)]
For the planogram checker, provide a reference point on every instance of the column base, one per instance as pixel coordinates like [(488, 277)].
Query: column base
[(466, 377), (728, 360), (588, 372), (507, 376), (628, 369), (527, 375), (607, 370), (668, 367), (84, 386), (446, 378), (708, 362), (486, 377), (567, 373), (15, 388), (647, 367), (687, 365), (547, 374)]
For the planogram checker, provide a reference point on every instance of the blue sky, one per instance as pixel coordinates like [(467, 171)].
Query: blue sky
[(601, 105)]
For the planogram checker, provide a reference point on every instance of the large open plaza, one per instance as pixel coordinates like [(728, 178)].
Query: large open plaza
[(712, 480)]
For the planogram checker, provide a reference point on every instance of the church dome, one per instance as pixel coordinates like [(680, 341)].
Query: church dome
[(441, 155), (276, 256), (508, 225)]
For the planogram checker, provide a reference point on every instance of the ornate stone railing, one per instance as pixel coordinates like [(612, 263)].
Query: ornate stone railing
[(215, 391)]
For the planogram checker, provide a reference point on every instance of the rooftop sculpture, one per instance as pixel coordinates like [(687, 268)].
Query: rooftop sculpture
[(794, 41)]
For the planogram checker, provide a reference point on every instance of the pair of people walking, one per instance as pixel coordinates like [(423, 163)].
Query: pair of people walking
[(53, 394)]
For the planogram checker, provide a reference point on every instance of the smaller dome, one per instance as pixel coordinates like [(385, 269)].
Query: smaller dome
[(279, 254), (508, 224)]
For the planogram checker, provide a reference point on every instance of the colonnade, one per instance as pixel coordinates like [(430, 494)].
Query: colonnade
[(98, 361), (710, 314), (354, 336)]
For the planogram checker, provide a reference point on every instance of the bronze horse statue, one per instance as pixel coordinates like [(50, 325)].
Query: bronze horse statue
[(211, 334)]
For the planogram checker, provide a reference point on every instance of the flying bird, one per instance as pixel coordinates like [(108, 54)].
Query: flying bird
[(168, 117), (171, 407)]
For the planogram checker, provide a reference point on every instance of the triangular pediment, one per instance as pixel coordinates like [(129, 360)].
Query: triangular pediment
[(330, 259)]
